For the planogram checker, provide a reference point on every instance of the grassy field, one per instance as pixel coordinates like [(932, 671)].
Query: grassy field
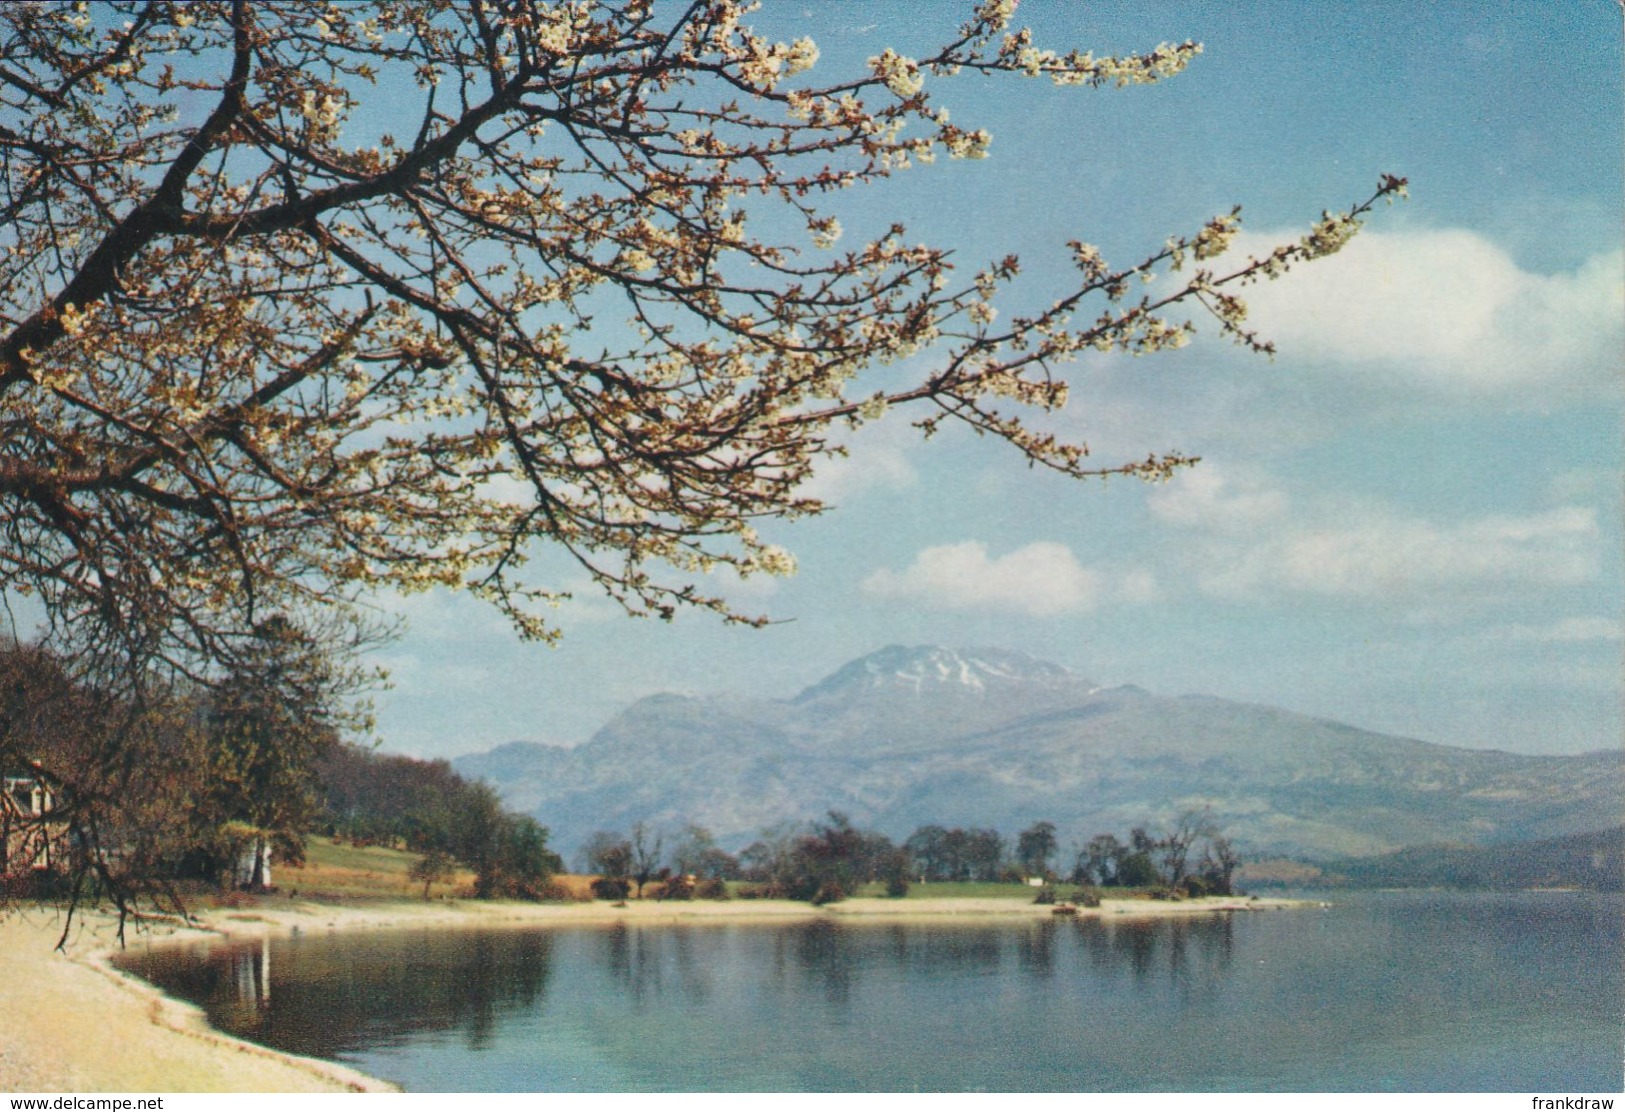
[(968, 890), (998, 890), (338, 870)]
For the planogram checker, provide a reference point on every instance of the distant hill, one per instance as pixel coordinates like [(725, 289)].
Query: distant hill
[(1594, 860), (908, 736)]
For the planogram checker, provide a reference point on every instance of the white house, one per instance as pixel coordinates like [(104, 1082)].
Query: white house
[(31, 840)]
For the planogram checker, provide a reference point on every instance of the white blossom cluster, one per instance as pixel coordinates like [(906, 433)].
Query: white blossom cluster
[(901, 75), (1329, 235)]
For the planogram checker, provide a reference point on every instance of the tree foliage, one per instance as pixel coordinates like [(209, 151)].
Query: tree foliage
[(1035, 846), (156, 785), (828, 863), (1136, 869), (823, 861), (373, 798), (264, 351), (1147, 861), (648, 849), (508, 852), (830, 858), (435, 867), (427, 807), (1098, 860), (608, 854), (698, 855), (940, 853), (267, 727), (123, 767)]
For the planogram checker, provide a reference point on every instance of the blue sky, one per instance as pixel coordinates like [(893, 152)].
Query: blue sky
[(1409, 520)]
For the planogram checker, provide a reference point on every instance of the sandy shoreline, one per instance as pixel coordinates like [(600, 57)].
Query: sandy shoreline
[(76, 1025), (92, 1028)]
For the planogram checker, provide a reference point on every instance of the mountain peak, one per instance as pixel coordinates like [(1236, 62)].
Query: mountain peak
[(977, 737), (919, 669)]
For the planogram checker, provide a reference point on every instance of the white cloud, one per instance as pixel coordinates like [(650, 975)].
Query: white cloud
[(1241, 535), (1041, 579), (1447, 308), (1138, 586), (878, 459), (1565, 631), (1583, 484), (1209, 497), (1375, 553), (748, 591), (1408, 555)]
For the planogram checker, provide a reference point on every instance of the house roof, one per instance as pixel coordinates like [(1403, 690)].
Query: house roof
[(29, 770)]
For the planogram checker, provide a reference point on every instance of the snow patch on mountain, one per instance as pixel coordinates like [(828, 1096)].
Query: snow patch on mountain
[(923, 669)]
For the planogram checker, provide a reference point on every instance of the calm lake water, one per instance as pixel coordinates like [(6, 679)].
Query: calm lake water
[(1382, 991)]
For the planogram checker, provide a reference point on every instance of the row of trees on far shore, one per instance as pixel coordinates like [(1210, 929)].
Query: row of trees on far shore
[(831, 858)]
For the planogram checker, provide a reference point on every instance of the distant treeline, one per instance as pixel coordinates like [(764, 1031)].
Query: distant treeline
[(831, 858), (373, 798), (1594, 861)]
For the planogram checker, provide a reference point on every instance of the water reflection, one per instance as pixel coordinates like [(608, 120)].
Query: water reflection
[(650, 963), (327, 996), (1190, 954), (1281, 1001), (248, 971), (822, 958), (1035, 950)]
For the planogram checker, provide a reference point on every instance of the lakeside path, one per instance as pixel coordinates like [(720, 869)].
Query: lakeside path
[(86, 1027)]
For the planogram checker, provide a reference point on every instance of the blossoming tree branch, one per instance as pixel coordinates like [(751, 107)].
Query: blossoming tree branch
[(261, 355)]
